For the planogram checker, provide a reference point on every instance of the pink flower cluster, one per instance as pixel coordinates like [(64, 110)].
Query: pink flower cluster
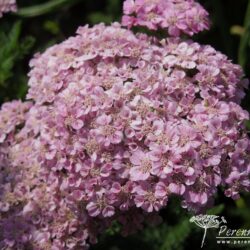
[(37, 212), (7, 6), (119, 124), (176, 16), (126, 112)]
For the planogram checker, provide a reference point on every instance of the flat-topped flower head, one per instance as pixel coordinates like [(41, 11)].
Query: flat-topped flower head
[(120, 123), (178, 17), (124, 107)]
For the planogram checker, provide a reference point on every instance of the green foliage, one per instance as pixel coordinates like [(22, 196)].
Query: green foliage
[(216, 210), (110, 14), (114, 229), (14, 47), (176, 236), (52, 27), (247, 123), (244, 47), (12, 50)]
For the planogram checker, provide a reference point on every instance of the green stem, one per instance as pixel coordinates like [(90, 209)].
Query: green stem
[(44, 8)]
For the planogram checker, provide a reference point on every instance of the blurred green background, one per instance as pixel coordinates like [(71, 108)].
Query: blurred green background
[(40, 23)]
